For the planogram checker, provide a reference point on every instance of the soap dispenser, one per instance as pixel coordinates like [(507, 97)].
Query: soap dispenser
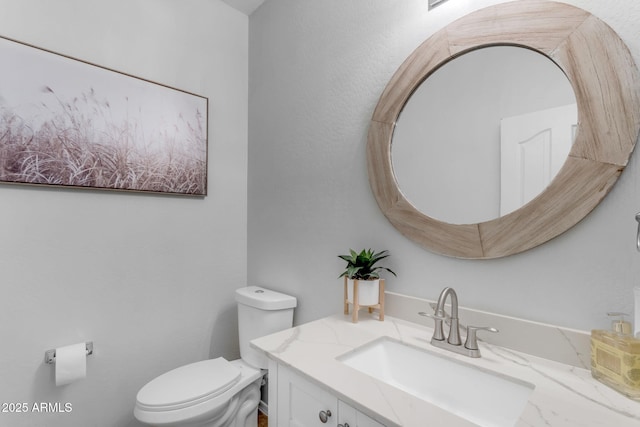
[(620, 326), (615, 357)]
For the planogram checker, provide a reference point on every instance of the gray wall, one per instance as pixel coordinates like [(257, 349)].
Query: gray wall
[(149, 279), (317, 70)]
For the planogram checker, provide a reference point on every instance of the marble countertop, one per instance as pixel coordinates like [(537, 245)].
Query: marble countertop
[(564, 395)]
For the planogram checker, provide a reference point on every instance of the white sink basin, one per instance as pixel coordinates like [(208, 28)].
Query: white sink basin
[(483, 397)]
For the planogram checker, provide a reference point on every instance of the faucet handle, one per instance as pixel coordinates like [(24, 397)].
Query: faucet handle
[(438, 333), (472, 340), (432, 315)]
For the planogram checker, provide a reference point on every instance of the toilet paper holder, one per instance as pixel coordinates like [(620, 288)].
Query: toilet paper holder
[(50, 355)]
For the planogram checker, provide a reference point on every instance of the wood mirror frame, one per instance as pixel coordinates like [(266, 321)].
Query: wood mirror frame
[(605, 80)]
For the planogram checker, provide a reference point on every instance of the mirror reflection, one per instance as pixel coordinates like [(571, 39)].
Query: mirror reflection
[(484, 134)]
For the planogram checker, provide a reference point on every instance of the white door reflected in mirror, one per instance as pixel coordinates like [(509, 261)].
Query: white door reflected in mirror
[(534, 147)]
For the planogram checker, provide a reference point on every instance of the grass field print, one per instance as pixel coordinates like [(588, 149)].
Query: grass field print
[(71, 123)]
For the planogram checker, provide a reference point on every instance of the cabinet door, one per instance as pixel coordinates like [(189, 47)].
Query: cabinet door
[(350, 417), (303, 404)]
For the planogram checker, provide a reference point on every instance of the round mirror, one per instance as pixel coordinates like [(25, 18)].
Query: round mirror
[(495, 124), (605, 80)]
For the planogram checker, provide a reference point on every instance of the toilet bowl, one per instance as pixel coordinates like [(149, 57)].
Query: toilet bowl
[(208, 393), (217, 392)]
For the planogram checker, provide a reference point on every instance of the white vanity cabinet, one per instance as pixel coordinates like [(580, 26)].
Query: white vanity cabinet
[(348, 416), (295, 401)]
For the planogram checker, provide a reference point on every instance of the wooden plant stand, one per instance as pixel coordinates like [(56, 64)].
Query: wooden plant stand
[(357, 306)]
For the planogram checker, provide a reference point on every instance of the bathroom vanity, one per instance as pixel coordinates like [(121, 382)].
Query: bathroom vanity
[(319, 368), (304, 402)]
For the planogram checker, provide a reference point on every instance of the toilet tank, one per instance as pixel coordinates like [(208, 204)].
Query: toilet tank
[(261, 312)]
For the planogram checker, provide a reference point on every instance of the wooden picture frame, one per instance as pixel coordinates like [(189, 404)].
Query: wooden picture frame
[(66, 122), (606, 83)]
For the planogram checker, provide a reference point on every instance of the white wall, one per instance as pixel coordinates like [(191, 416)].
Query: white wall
[(149, 279), (317, 70)]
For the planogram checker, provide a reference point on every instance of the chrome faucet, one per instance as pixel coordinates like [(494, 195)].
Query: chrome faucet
[(453, 342), (439, 316)]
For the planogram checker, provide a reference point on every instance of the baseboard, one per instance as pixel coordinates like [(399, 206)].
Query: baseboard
[(263, 408)]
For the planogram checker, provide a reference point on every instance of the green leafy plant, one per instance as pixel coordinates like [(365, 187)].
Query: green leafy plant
[(362, 266)]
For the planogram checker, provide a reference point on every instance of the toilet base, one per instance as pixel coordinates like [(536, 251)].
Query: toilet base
[(242, 410)]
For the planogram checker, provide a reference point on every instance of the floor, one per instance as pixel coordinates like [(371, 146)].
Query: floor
[(262, 419)]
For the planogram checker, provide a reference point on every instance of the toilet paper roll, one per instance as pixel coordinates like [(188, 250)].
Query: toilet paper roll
[(71, 363)]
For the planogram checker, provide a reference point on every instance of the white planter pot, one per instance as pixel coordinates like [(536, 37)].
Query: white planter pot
[(368, 291)]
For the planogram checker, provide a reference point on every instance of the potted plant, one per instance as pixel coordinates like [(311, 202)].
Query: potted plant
[(363, 268)]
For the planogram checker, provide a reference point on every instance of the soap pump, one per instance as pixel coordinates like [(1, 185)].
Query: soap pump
[(615, 357), (620, 325)]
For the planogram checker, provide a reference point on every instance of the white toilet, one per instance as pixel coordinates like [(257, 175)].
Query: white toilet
[(217, 392)]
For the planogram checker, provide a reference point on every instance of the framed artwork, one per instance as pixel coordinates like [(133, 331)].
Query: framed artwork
[(67, 122)]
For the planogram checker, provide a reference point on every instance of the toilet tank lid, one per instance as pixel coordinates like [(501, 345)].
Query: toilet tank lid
[(264, 299)]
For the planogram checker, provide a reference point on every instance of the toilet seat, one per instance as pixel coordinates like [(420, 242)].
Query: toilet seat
[(187, 405), (188, 385)]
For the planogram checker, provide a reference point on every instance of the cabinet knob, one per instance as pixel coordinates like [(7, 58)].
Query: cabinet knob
[(343, 425), (324, 415)]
